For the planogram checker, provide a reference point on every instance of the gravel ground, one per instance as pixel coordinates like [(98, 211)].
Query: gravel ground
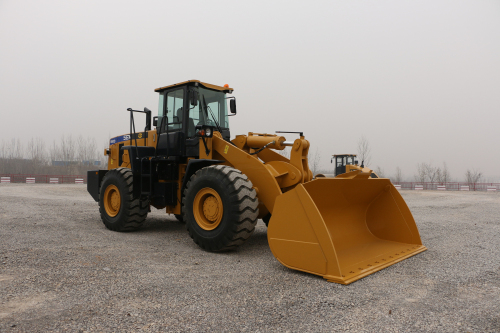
[(62, 271)]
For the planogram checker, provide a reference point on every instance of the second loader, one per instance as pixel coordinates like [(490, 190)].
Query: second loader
[(341, 228), (347, 163)]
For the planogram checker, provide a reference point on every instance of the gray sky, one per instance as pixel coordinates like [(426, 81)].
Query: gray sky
[(419, 79)]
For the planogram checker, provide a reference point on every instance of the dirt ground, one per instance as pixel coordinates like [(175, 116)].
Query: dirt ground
[(61, 270)]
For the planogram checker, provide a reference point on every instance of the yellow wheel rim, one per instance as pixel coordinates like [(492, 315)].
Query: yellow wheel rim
[(112, 200), (208, 209)]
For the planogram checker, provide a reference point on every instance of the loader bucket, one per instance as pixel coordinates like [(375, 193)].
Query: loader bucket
[(342, 229)]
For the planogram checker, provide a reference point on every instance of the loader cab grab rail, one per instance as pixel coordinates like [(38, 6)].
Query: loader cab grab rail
[(132, 124)]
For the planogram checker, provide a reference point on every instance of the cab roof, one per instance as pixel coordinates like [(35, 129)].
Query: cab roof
[(346, 155), (197, 82)]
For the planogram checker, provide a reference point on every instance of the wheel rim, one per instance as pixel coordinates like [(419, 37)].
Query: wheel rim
[(208, 209), (112, 200)]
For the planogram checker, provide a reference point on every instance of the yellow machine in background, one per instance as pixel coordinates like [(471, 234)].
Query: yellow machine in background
[(340, 228), (346, 163)]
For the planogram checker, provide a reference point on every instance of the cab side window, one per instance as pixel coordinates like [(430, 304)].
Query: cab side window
[(174, 109)]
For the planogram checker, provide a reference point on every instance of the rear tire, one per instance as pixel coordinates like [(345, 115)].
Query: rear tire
[(120, 211), (220, 208)]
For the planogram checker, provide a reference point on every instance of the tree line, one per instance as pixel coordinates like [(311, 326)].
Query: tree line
[(66, 156), (426, 172), (76, 155)]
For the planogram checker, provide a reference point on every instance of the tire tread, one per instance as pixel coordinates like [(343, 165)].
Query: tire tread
[(136, 210), (244, 208)]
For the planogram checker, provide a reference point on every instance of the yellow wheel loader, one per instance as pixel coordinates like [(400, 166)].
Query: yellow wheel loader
[(347, 163), (341, 228)]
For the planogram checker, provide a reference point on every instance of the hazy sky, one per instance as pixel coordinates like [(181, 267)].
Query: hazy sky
[(419, 79)]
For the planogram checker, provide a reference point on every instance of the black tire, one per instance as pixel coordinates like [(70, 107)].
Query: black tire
[(240, 207), (127, 215)]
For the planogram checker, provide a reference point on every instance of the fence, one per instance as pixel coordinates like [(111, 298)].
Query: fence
[(82, 179), (454, 186), (48, 179)]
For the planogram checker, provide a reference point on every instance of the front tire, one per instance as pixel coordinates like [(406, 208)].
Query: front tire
[(220, 208), (120, 211)]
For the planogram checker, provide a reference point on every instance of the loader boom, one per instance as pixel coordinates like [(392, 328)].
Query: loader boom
[(341, 228)]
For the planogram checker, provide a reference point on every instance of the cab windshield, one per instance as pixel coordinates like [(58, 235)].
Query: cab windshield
[(210, 102)]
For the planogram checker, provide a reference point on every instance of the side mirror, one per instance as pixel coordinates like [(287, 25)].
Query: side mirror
[(232, 106), (148, 119), (193, 96), (155, 121)]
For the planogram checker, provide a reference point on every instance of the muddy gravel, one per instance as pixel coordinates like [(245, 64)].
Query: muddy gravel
[(61, 270)]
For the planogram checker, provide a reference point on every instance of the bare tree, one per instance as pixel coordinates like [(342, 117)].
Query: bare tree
[(55, 152), (15, 155), (398, 177), (92, 153), (3, 150), (380, 172), (3, 157), (442, 174), (314, 161), (473, 176), (431, 172), (81, 149), (364, 151), (439, 175), (421, 173), (36, 155), (67, 147), (16, 150), (445, 174), (428, 172), (35, 158)]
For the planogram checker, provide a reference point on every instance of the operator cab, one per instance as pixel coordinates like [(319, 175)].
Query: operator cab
[(342, 163), (185, 106)]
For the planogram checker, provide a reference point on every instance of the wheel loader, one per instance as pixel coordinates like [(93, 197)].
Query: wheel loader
[(341, 228), (346, 163)]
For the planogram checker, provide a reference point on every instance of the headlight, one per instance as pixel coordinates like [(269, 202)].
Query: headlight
[(204, 131)]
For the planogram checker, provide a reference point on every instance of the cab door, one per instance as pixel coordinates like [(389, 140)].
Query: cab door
[(193, 117), (172, 106)]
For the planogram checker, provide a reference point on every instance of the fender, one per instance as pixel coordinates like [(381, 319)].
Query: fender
[(195, 165)]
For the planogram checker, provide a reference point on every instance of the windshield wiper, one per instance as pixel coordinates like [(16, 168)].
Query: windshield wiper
[(213, 117)]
